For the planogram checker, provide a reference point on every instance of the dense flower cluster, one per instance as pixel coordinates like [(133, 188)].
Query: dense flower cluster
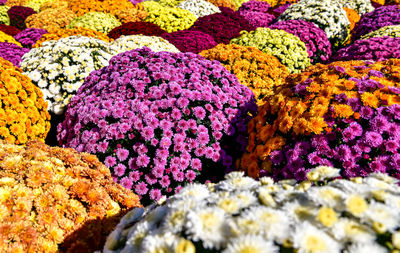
[(59, 67), (133, 28), (97, 21), (81, 7), (12, 52), (346, 114), (380, 17), (54, 5), (63, 33), (130, 42), (199, 8), (11, 3), (23, 115), (18, 15), (159, 120), (257, 70), (7, 38), (51, 19), (222, 26), (360, 6), (326, 14), (390, 30), (54, 199), (170, 19), (288, 48), (223, 3), (4, 19), (315, 39), (10, 30), (254, 5), (240, 214), (30, 36), (131, 15), (190, 41), (257, 19), (35, 4), (376, 49)]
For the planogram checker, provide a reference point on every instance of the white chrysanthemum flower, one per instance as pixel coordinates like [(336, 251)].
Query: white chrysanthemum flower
[(175, 220), (159, 243), (393, 201), (386, 216), (237, 183), (349, 187), (208, 226), (366, 247), (327, 196), (360, 6), (194, 191), (35, 76), (309, 239), (351, 231), (299, 212), (325, 172), (229, 204), (386, 178), (250, 244), (266, 181), (247, 198), (356, 205), (199, 8), (130, 42)]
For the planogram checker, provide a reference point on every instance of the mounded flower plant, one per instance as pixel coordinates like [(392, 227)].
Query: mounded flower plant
[(190, 41), (159, 120)]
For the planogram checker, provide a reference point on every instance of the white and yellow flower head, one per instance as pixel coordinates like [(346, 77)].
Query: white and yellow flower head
[(130, 42)]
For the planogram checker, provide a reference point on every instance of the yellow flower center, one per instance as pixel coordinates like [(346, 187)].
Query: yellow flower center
[(357, 205), (327, 216), (315, 244)]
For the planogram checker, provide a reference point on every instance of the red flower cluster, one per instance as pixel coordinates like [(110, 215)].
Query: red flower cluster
[(10, 30), (133, 28)]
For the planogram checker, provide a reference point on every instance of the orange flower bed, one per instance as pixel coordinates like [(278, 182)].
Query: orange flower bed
[(54, 5), (301, 107), (81, 7), (223, 3), (51, 19), (130, 15), (259, 71), (12, 3), (23, 114), (63, 33), (56, 199)]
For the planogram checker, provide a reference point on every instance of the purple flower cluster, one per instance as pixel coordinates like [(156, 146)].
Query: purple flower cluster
[(28, 37), (159, 120), (190, 41), (12, 53), (359, 146), (317, 43), (280, 9), (380, 17), (254, 5), (18, 15), (258, 19), (222, 26), (376, 49)]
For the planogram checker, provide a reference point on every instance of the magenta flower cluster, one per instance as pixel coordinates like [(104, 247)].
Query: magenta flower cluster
[(222, 26), (258, 19), (18, 15), (12, 53), (190, 41), (380, 17), (253, 5), (28, 37), (160, 120), (317, 43), (376, 49), (357, 146)]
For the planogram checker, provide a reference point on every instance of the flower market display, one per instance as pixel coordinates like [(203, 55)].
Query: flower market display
[(326, 14), (380, 17), (98, 21), (55, 199), (199, 8), (170, 19), (63, 33), (10, 30), (315, 39), (53, 19), (288, 48), (360, 6), (390, 30), (346, 114), (136, 28), (190, 41), (127, 43), (59, 67), (240, 214), (223, 26), (159, 120), (257, 70), (30, 36), (12, 52), (18, 15), (23, 115), (376, 49)]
